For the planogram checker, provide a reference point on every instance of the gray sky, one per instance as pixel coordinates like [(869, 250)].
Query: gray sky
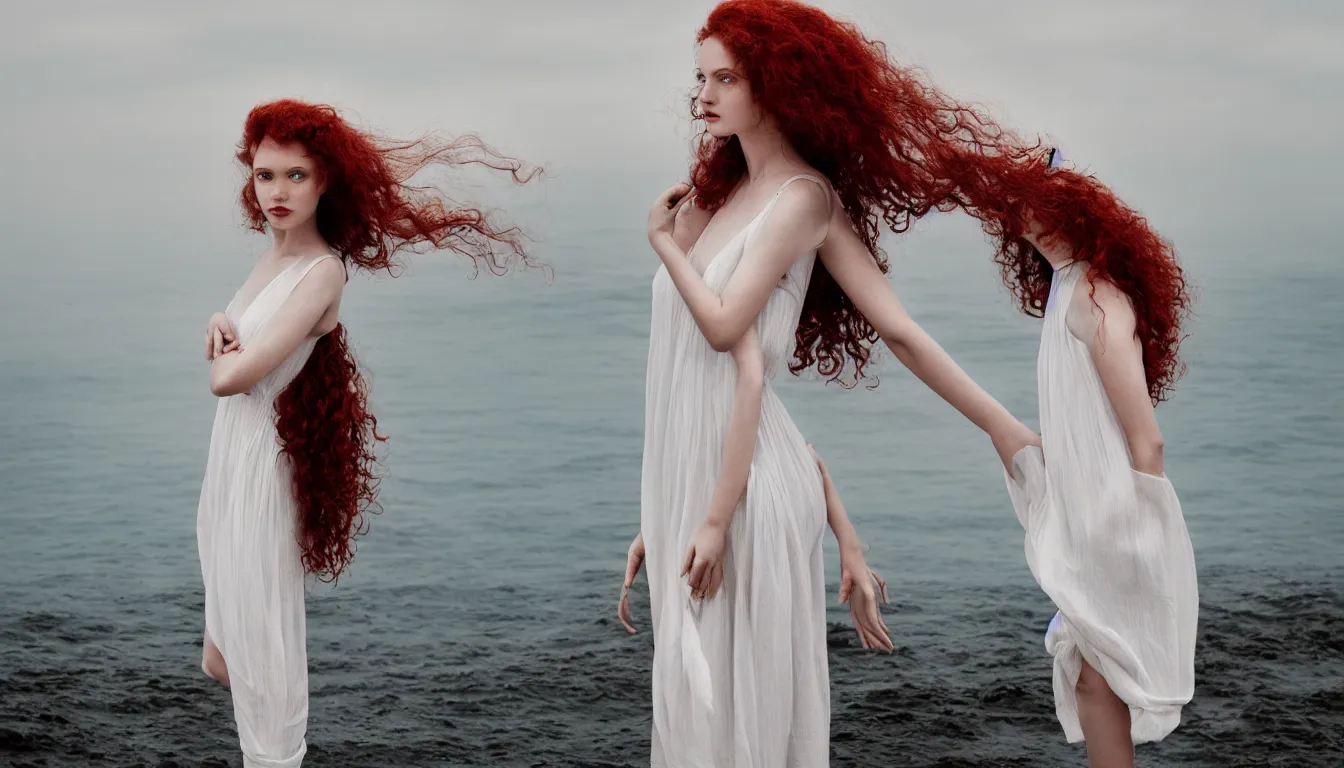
[(1218, 119)]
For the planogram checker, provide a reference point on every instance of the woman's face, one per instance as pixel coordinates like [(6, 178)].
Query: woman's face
[(286, 183), (1034, 232), (1053, 247), (724, 97)]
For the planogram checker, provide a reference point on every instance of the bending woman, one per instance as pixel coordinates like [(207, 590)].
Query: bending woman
[(1105, 535)]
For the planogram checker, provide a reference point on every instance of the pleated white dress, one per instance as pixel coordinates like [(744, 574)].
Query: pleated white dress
[(1107, 544), (250, 557), (739, 681)]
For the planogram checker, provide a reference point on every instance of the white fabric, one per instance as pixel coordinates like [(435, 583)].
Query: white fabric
[(250, 557), (739, 681), (1108, 544)]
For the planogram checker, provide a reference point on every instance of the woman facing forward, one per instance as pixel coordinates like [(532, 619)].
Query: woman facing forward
[(812, 140), (290, 472)]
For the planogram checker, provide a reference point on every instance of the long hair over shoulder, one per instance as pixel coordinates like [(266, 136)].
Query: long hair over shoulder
[(1116, 241)]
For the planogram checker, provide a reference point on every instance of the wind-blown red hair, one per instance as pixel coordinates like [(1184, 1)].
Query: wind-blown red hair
[(878, 132), (367, 214), (1116, 241)]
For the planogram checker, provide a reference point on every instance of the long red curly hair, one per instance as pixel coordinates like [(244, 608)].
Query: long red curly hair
[(1116, 241), (877, 130), (368, 214)]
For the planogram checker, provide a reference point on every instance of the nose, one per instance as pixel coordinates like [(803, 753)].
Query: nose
[(279, 192), (705, 97)]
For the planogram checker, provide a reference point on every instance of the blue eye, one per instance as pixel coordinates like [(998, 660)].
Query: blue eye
[(297, 176)]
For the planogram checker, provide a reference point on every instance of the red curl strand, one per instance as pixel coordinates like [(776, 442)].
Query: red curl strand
[(1115, 240), (328, 434), (370, 211)]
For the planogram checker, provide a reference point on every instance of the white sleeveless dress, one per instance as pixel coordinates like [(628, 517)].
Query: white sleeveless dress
[(739, 681), (1107, 543), (250, 557)]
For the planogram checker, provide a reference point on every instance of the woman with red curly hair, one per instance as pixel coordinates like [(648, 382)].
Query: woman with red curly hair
[(813, 140), (290, 476), (1105, 536)]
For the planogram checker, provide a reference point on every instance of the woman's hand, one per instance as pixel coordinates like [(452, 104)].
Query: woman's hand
[(634, 559), (663, 214), (220, 338), (861, 587), (704, 559), (1010, 440)]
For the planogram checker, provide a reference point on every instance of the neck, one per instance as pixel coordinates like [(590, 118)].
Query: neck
[(292, 243), (766, 151)]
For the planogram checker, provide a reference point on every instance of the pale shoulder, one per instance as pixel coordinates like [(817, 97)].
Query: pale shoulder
[(805, 202), (326, 277), (1100, 293), (811, 188), (1098, 308)]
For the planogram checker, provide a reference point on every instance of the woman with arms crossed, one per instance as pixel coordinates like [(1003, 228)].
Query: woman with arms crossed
[(290, 474)]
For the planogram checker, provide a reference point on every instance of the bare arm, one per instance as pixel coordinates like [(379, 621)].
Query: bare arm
[(703, 562), (857, 580), (837, 518), (853, 267), (739, 445), (795, 225), (1107, 327), (309, 310)]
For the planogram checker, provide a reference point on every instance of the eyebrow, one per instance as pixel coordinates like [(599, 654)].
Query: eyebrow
[(291, 170)]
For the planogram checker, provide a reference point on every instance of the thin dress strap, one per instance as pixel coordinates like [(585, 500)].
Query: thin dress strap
[(312, 264), (824, 187)]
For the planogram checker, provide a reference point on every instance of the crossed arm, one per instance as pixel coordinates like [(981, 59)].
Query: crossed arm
[(311, 310)]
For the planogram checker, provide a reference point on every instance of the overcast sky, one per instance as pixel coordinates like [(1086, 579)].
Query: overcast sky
[(1221, 120)]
